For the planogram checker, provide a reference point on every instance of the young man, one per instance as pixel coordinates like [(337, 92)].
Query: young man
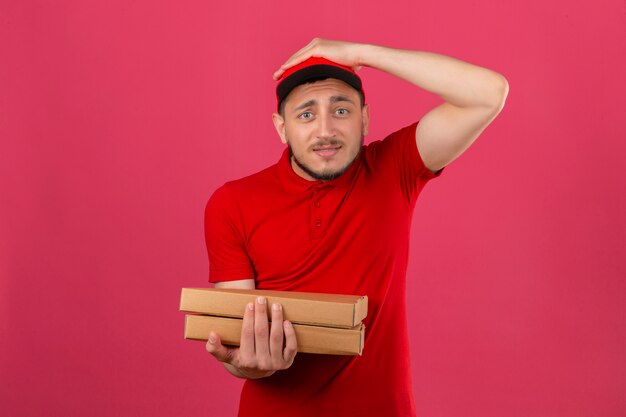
[(334, 216)]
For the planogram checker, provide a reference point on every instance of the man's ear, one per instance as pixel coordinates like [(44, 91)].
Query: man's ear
[(279, 124), (365, 126)]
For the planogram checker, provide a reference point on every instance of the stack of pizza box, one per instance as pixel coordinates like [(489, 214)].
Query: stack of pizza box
[(323, 323)]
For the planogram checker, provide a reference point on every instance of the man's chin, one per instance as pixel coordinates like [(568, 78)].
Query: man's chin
[(326, 174)]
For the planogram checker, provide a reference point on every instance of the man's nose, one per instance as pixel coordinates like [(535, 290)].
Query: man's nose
[(325, 126)]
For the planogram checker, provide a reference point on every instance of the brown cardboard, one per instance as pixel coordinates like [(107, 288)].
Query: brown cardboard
[(333, 310), (311, 339)]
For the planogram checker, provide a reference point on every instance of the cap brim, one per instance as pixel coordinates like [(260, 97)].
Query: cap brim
[(313, 72)]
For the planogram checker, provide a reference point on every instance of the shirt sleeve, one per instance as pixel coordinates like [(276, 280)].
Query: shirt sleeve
[(406, 161), (225, 241)]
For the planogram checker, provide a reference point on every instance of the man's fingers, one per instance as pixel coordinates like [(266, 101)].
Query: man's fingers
[(299, 56), (261, 331), (246, 344), (345, 53), (291, 344), (220, 352), (270, 351), (276, 334), (296, 58)]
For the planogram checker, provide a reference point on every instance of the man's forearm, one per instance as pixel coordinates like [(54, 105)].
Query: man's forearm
[(457, 82)]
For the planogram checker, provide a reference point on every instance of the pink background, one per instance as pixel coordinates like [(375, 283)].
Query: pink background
[(119, 118)]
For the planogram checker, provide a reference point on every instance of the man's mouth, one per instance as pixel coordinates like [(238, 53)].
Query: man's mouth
[(326, 151)]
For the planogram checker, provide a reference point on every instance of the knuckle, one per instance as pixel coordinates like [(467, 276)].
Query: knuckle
[(264, 365), (260, 331), (276, 337), (287, 363), (246, 363)]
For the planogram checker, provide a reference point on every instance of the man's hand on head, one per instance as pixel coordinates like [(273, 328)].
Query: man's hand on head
[(344, 53), (264, 348)]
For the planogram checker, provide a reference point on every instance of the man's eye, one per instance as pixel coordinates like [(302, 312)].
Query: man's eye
[(342, 112), (306, 115)]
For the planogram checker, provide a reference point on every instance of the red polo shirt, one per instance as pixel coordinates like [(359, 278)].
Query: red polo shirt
[(345, 236)]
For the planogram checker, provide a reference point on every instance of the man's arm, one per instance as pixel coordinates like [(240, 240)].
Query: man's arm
[(261, 352), (242, 284), (473, 95)]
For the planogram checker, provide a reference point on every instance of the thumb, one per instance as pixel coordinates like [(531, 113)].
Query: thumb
[(220, 352)]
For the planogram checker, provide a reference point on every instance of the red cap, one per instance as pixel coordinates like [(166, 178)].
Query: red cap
[(313, 68)]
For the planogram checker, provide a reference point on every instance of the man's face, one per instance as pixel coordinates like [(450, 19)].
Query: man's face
[(324, 126)]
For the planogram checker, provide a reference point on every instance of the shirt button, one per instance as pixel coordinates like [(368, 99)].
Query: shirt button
[(318, 223), (317, 204)]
